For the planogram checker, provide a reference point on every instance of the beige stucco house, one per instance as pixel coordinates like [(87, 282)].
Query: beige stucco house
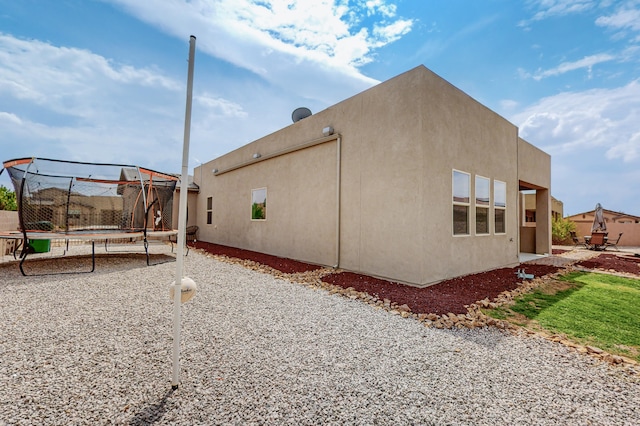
[(411, 180), (617, 223)]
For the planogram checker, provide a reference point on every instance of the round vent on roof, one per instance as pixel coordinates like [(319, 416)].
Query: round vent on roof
[(300, 113)]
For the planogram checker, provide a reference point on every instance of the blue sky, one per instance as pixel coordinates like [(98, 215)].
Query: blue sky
[(105, 81)]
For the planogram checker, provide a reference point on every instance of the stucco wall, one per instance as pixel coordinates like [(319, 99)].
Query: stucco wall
[(534, 172), (534, 165), (400, 142), (192, 208), (8, 222), (528, 239), (301, 203)]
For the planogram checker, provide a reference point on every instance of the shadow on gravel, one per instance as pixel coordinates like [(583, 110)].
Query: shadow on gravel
[(80, 264), (152, 413)]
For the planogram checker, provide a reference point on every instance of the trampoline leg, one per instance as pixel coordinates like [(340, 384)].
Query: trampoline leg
[(93, 256), (146, 250), (17, 247), (24, 257), (24, 254)]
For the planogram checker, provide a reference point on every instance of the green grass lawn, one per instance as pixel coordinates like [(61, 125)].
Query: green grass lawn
[(592, 309)]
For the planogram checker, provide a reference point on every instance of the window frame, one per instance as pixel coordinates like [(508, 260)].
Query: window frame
[(257, 191), (209, 210)]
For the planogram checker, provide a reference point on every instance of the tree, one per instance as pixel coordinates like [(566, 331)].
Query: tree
[(7, 199)]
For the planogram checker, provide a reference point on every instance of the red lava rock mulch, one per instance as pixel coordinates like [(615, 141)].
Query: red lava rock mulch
[(613, 262), (447, 296), (284, 265)]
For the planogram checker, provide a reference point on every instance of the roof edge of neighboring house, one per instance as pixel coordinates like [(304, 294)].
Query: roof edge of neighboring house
[(613, 212), (191, 185)]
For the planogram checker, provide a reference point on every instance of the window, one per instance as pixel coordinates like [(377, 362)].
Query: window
[(530, 216), (500, 206), (461, 199), (483, 190), (209, 210), (259, 204)]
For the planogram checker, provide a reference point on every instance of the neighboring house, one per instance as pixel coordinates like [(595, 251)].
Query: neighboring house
[(617, 222), (156, 194), (412, 180), (192, 202), (72, 210)]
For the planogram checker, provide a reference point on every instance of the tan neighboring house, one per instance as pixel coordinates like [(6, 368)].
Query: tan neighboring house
[(617, 222), (192, 203), (56, 205), (411, 180)]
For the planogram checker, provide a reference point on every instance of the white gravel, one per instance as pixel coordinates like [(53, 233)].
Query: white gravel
[(96, 349)]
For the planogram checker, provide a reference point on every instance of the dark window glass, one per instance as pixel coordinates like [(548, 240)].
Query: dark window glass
[(460, 220), (500, 221), (482, 220)]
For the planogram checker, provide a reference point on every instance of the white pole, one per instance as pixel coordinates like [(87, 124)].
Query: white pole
[(182, 223)]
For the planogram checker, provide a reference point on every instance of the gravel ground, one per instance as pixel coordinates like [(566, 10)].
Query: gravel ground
[(96, 349)]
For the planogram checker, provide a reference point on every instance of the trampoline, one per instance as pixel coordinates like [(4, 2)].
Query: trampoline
[(92, 202)]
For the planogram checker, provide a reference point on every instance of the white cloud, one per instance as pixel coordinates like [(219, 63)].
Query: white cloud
[(390, 33), (10, 118), (628, 16), (68, 81), (286, 42), (587, 62), (219, 107), (624, 20), (604, 120), (553, 8), (380, 6), (509, 104), (628, 150)]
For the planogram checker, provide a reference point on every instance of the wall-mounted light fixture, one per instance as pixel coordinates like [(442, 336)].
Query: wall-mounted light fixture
[(257, 155), (327, 131), (214, 171)]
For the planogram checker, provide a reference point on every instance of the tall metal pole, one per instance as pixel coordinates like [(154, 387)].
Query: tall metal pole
[(182, 223)]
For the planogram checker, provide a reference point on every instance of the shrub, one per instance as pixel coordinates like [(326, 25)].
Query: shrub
[(561, 230), (7, 199)]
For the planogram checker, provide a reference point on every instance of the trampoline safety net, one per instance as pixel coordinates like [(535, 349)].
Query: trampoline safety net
[(70, 196)]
